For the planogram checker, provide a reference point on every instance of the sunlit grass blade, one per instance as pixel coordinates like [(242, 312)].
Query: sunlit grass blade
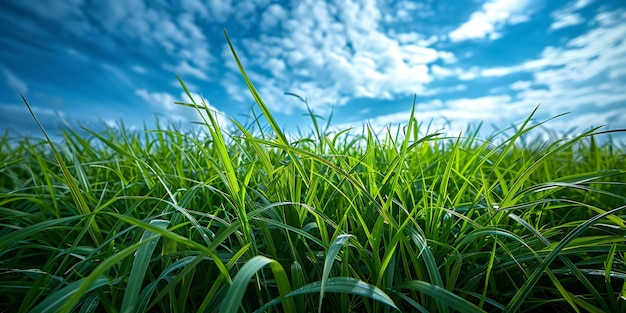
[(219, 145), (266, 112)]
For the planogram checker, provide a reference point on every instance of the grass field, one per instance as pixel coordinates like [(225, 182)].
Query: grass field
[(166, 220)]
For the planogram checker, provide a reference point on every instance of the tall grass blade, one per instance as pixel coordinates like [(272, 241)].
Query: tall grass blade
[(333, 250), (443, 296), (77, 195), (232, 301), (140, 266), (522, 293), (343, 285), (282, 139)]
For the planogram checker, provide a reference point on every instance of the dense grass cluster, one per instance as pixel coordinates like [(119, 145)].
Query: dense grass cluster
[(172, 221)]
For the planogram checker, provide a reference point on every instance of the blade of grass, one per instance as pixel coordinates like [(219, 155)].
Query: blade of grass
[(235, 293), (343, 285), (231, 181), (82, 205), (523, 292), (429, 261), (442, 295), (282, 139), (140, 266), (333, 250)]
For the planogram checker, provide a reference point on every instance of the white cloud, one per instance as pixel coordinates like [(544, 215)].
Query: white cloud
[(276, 66), (41, 113), (220, 9), (446, 56), (453, 116), (110, 123), (244, 12), (330, 52), (414, 38), (416, 55), (492, 16), (463, 74), (477, 27), (405, 11), (568, 16), (77, 55), (582, 3), (449, 89), (119, 75), (584, 76), (163, 103), (196, 7), (187, 24), (563, 20), (184, 68), (496, 71), (160, 100), (440, 72), (178, 34), (13, 81), (234, 86), (611, 118), (521, 85), (567, 78), (580, 59), (457, 72), (147, 25), (410, 6), (128, 18), (272, 16), (609, 18), (138, 69)]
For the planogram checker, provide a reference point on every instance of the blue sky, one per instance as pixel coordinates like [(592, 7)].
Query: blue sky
[(94, 62)]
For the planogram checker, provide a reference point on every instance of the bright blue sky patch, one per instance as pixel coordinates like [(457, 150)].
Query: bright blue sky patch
[(88, 62)]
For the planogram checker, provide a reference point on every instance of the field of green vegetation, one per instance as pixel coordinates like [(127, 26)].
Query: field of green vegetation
[(167, 220)]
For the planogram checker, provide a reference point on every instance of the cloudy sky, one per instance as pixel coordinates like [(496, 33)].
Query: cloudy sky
[(95, 62)]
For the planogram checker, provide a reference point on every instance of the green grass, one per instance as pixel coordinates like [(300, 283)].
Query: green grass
[(167, 220)]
